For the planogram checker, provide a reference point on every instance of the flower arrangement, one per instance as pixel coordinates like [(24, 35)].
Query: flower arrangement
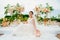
[(16, 15), (47, 9), (13, 9), (43, 10), (5, 22)]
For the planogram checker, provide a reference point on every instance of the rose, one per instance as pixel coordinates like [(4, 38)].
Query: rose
[(45, 10), (10, 10), (37, 9), (19, 9), (22, 9)]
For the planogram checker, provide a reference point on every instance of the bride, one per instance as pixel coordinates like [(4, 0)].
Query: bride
[(27, 28)]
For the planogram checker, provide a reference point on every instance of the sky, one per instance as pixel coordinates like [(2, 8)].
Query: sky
[(28, 4)]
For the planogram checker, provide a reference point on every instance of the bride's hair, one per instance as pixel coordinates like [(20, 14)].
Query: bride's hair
[(32, 12)]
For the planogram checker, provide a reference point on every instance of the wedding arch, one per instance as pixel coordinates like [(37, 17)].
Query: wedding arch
[(13, 13)]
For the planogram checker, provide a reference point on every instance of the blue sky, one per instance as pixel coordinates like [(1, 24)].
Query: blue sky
[(29, 4)]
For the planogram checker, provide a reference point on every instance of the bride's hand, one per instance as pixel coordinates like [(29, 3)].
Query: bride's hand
[(37, 33)]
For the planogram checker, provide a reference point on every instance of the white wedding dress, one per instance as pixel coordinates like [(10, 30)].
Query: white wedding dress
[(25, 29), (26, 32)]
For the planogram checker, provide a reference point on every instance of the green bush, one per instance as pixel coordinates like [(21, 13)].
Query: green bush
[(1, 20)]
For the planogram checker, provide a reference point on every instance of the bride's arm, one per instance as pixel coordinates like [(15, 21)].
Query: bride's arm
[(37, 32), (33, 22)]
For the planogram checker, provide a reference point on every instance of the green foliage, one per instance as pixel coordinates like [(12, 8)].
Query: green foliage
[(49, 7), (1, 20), (6, 9), (17, 5), (42, 12), (20, 17), (55, 19), (25, 17), (58, 20), (58, 15), (40, 19), (10, 18)]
